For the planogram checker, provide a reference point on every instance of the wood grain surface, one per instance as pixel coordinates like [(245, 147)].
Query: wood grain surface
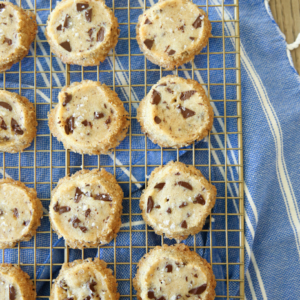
[(287, 15)]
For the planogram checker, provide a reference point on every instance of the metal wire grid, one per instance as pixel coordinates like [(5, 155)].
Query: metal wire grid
[(114, 166)]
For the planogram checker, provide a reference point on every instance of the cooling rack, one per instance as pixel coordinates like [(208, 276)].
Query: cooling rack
[(41, 75)]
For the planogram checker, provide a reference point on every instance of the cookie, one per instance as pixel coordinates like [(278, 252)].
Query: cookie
[(85, 280), (82, 32), (177, 200), (172, 32), (174, 272), (89, 118), (86, 208), (176, 112), (15, 284), (17, 122), (20, 212), (17, 31)]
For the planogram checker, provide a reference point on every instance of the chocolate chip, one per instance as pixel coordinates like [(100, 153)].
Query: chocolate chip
[(1, 212), (186, 95), (98, 115), (69, 127), (177, 173), (87, 212), (2, 6), (87, 123), (169, 268), (67, 99), (160, 186), (186, 279), (12, 292), (64, 209), (169, 210), (183, 224), (195, 275), (161, 298), (171, 52), (16, 213), (155, 97), (178, 297), (66, 45), (59, 27), (181, 28), (186, 113), (197, 22), (78, 195), (8, 41), (16, 127), (81, 6), (192, 38), (66, 22), (147, 21), (157, 120), (188, 296), (75, 222), (88, 15), (198, 290), (151, 295), (170, 91), (3, 124), (91, 285), (26, 223), (185, 185), (108, 121), (183, 204), (83, 229), (150, 204), (157, 206), (199, 199), (167, 48), (56, 207), (103, 197), (100, 34), (148, 43), (62, 284)]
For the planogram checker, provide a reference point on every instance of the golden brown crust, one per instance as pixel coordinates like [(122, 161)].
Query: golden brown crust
[(108, 144), (27, 29), (19, 278), (114, 224), (37, 213), (188, 55)]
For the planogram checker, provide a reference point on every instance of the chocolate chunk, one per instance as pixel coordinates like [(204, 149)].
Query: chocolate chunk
[(155, 97), (157, 120), (66, 22), (163, 84), (90, 32), (2, 6), (16, 213), (147, 21), (6, 106), (88, 15), (169, 210), (87, 123), (62, 284), (56, 207), (181, 28), (67, 98), (183, 204), (100, 34), (161, 298), (178, 173), (3, 124), (171, 52), (150, 204), (186, 95), (157, 206), (167, 48), (178, 297), (151, 295), (169, 268), (98, 115), (8, 41), (186, 113), (87, 212), (26, 223), (160, 186), (83, 229), (1, 212), (108, 121), (91, 285), (195, 275), (199, 199), (148, 43), (183, 224), (12, 292), (59, 27), (192, 38), (185, 185), (78, 195), (69, 127), (64, 209), (75, 222), (66, 45), (170, 91), (81, 6), (197, 22), (87, 298), (198, 290), (103, 197), (16, 127)]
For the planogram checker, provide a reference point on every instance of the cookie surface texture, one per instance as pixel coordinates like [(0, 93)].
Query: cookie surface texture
[(177, 200), (15, 284), (82, 32), (85, 280), (18, 29), (172, 32), (176, 112), (174, 272), (89, 118), (20, 212), (17, 122), (85, 209)]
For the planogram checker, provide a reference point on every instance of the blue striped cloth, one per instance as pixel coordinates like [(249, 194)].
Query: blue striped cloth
[(270, 104)]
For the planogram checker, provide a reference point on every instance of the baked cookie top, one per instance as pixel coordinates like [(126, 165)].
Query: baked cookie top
[(175, 112), (85, 280), (177, 200), (174, 272), (86, 208), (89, 118), (171, 32)]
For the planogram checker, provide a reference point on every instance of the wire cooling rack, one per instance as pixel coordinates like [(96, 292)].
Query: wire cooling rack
[(41, 75)]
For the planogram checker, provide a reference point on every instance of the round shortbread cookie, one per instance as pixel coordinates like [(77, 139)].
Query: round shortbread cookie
[(82, 32), (17, 122), (177, 200), (174, 272), (85, 280), (89, 118), (172, 32), (176, 112), (15, 284), (17, 31), (20, 212), (86, 208)]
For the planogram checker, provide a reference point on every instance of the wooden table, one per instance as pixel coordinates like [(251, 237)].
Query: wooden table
[(287, 15)]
